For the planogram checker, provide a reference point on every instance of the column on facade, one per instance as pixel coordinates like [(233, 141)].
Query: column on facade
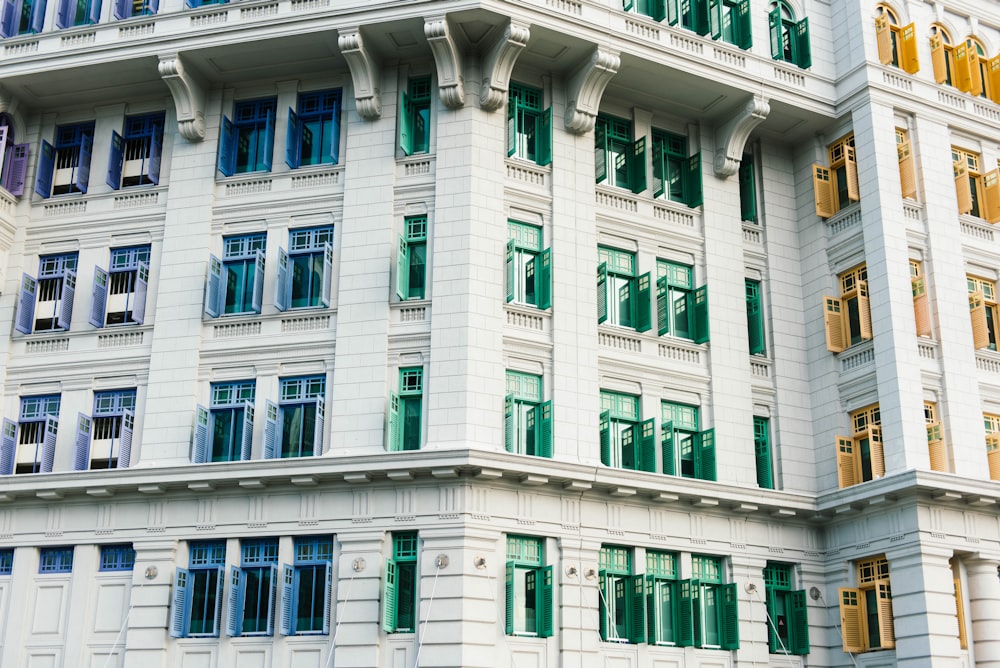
[(984, 604), (146, 640), (578, 601), (356, 619)]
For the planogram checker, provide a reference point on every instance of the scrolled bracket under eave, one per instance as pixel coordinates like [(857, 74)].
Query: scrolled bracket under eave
[(731, 137), (364, 73), (499, 63), (448, 60), (188, 94), (586, 87)]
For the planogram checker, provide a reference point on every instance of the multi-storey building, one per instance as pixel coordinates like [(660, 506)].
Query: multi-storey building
[(453, 333)]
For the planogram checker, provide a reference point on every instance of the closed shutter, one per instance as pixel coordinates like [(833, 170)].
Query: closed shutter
[(98, 297), (939, 59), (935, 447), (886, 627), (823, 192), (877, 452), (851, 620), (908, 48), (545, 430), (883, 37), (907, 170), (980, 327), (848, 467)]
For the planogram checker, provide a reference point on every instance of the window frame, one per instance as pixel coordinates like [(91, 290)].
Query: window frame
[(527, 416), (415, 116), (984, 312), (763, 452), (253, 589), (525, 558), (785, 604), (64, 165), (528, 266), (847, 318), (896, 44), (120, 557), (399, 584), (141, 141), (618, 159), (621, 596), (6, 561), (627, 441), (679, 426), (202, 582), (675, 287), (529, 125), (314, 555), (873, 584), (861, 457), (405, 432), (411, 259), (53, 560), (250, 132), (112, 419), (789, 38), (323, 107), (55, 284), (310, 395), (43, 412), (676, 175), (309, 258), (619, 284)]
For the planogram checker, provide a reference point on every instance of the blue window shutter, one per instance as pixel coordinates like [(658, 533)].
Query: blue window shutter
[(405, 123), (227, 147), (180, 608), (804, 51), (602, 292), (510, 269), (140, 293), (246, 440), (37, 15), (545, 430), (95, 12), (293, 149), (281, 281), (646, 455), (10, 15), (192, 3), (335, 135), (199, 451), (327, 600), (269, 140), (543, 147), (270, 430), (287, 601), (83, 167), (153, 6), (389, 596), (220, 585), (25, 320), (667, 445), (43, 174), (155, 154), (62, 14), (272, 596), (327, 274), (123, 9), (99, 298), (213, 287), (234, 604), (512, 114), (704, 456), (392, 439), (115, 160), (509, 597), (600, 155), (257, 299), (15, 169), (402, 270), (543, 279), (81, 450), (125, 442), (66, 299), (606, 438), (320, 430), (49, 444), (8, 445)]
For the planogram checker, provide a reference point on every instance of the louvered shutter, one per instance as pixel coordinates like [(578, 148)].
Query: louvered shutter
[(281, 281), (115, 159), (44, 171), (646, 452), (155, 154), (606, 585), (8, 446), (272, 597), (883, 38), (269, 140), (509, 573), (94, 15), (876, 452), (939, 59), (643, 304), (220, 587), (199, 449), (25, 318), (510, 270), (803, 44), (98, 297), (935, 447), (122, 9), (907, 170), (602, 293), (288, 601), (270, 430), (246, 437), (140, 293), (991, 196), (180, 608), (851, 620), (823, 192), (744, 38), (886, 626), (662, 306), (673, 14), (327, 285), (774, 31), (864, 311), (257, 298), (851, 167), (637, 609), (963, 186), (293, 149), (667, 446), (153, 6), (704, 459), (748, 190), (980, 327), (963, 640), (83, 162), (327, 597), (637, 166), (51, 428), (699, 307), (963, 77), (543, 279), (545, 430), (993, 72), (921, 307), (762, 456), (37, 16), (600, 155), (10, 15), (62, 13), (755, 320), (227, 148), (993, 455), (234, 604), (729, 626), (546, 603), (685, 613), (389, 597), (403, 270), (392, 443), (908, 49), (405, 124), (335, 134), (125, 441), (848, 473), (798, 622), (693, 193), (81, 446), (513, 115), (66, 299), (975, 73), (833, 322), (320, 430), (605, 438), (15, 168), (213, 287), (543, 140)]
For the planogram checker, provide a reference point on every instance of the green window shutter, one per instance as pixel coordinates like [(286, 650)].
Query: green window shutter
[(511, 267), (509, 591), (698, 306), (658, 9), (628, 451), (545, 604), (602, 292), (624, 303), (606, 590), (701, 20), (600, 155), (637, 166), (545, 430), (774, 28), (673, 14), (693, 195), (543, 146), (803, 51), (698, 632), (755, 319), (729, 624), (543, 279), (685, 612), (402, 270), (389, 597), (773, 646), (763, 454), (647, 446), (405, 125), (715, 18), (662, 306), (659, 170), (748, 190), (704, 456), (508, 423), (798, 624), (643, 304), (667, 445), (652, 611), (606, 438), (744, 32), (394, 430), (513, 112), (637, 605), (627, 5)]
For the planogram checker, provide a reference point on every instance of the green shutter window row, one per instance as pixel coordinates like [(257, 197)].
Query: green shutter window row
[(789, 39)]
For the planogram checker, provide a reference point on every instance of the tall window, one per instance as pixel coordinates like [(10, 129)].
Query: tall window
[(399, 585), (527, 419), (713, 604), (681, 309), (897, 45), (992, 424), (626, 442), (662, 598), (406, 410), (789, 38), (847, 318), (300, 417), (22, 17), (528, 275), (686, 449), (415, 117), (109, 444), (117, 558), (46, 303), (29, 445), (787, 612), (942, 55), (306, 270), (860, 458), (983, 310), (617, 159), (621, 595), (762, 451), (622, 298), (236, 282), (135, 154), (866, 610), (748, 189), (676, 175), (655, 9), (119, 294), (935, 438), (55, 560), (529, 126), (907, 167), (978, 194), (411, 259), (755, 318), (306, 587), (314, 131), (229, 436), (246, 143), (65, 167), (921, 303), (836, 186), (197, 603), (528, 587), (253, 589)]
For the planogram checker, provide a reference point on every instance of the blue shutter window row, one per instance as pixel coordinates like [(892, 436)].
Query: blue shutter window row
[(136, 153), (104, 440), (246, 143), (29, 445)]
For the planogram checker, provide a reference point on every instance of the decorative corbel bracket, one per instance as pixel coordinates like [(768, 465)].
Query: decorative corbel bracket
[(188, 94), (731, 138), (364, 73), (586, 86), (499, 63), (448, 61)]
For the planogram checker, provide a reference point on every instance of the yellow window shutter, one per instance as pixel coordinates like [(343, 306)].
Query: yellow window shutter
[(851, 165), (877, 452), (864, 311), (938, 59), (963, 77), (975, 74), (991, 196), (847, 463), (907, 171), (886, 627), (935, 447), (993, 67), (993, 455), (833, 320), (921, 307), (963, 640), (883, 37), (980, 330), (909, 49), (823, 191), (963, 188), (851, 620)]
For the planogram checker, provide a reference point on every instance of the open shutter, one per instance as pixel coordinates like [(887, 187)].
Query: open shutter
[(510, 270), (744, 34), (939, 59), (673, 13), (755, 321), (748, 190), (864, 311), (293, 149), (95, 12), (326, 287), (81, 447), (246, 438), (771, 598), (701, 19), (199, 450), (213, 287), (963, 640), (37, 16), (921, 307), (848, 473), (657, 9), (115, 159), (327, 597), (392, 438), (509, 598), (66, 299), (667, 446), (662, 306), (991, 196), (729, 627), (9, 18), (935, 447), (257, 299), (155, 154), (389, 597), (643, 304), (281, 281), (269, 140), (544, 448), (659, 171), (43, 173), (602, 292), (606, 438), (762, 455), (513, 115), (606, 583), (49, 444), (234, 604), (963, 78), (83, 162), (227, 148), (823, 191), (220, 586), (25, 318), (405, 124), (963, 189), (993, 67), (8, 445), (543, 279), (798, 621), (908, 49), (646, 451), (122, 9), (993, 455), (876, 452), (693, 195), (288, 601), (975, 73), (686, 612), (774, 30), (907, 171), (851, 167), (883, 37), (320, 429), (270, 430), (637, 166), (15, 168), (508, 421), (704, 458), (62, 13), (272, 597), (700, 310), (140, 293), (543, 141), (804, 46), (403, 270), (637, 607), (125, 441), (179, 609), (601, 155), (653, 614), (833, 321), (545, 603), (335, 134), (886, 630), (98, 297)]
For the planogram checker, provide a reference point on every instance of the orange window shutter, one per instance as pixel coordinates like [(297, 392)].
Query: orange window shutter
[(993, 67), (851, 620), (864, 311), (991, 196), (823, 191), (907, 170), (980, 330), (833, 320), (938, 59), (993, 455), (975, 73), (886, 626), (883, 37), (909, 59), (921, 307), (851, 165), (963, 78), (963, 187), (963, 640), (935, 447), (848, 473), (877, 452)]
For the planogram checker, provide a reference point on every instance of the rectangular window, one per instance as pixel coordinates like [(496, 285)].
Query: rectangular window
[(46, 303), (626, 441), (236, 282), (314, 130), (411, 259), (866, 610), (253, 589), (135, 154), (691, 14), (655, 9), (789, 38), (65, 166), (528, 266), (306, 587), (755, 318), (921, 302), (622, 597), (197, 601), (124, 9), (762, 451), (29, 445), (104, 441), (662, 598), (978, 193), (399, 585), (617, 159), (119, 293), (860, 458), (529, 126), (300, 415), (623, 299), (117, 558), (55, 560), (415, 117), (22, 17), (712, 605), (787, 614), (6, 561), (406, 410), (836, 186), (73, 13), (936, 449), (847, 318), (231, 413), (527, 419), (246, 143), (992, 423), (748, 189), (983, 311), (676, 175), (907, 166), (305, 272), (681, 309), (729, 20), (528, 588), (686, 449)]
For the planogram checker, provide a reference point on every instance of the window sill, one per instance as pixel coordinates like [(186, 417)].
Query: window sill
[(275, 184), (528, 317)]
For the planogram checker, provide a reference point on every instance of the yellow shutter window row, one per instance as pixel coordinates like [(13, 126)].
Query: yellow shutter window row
[(836, 186), (847, 318), (861, 457)]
